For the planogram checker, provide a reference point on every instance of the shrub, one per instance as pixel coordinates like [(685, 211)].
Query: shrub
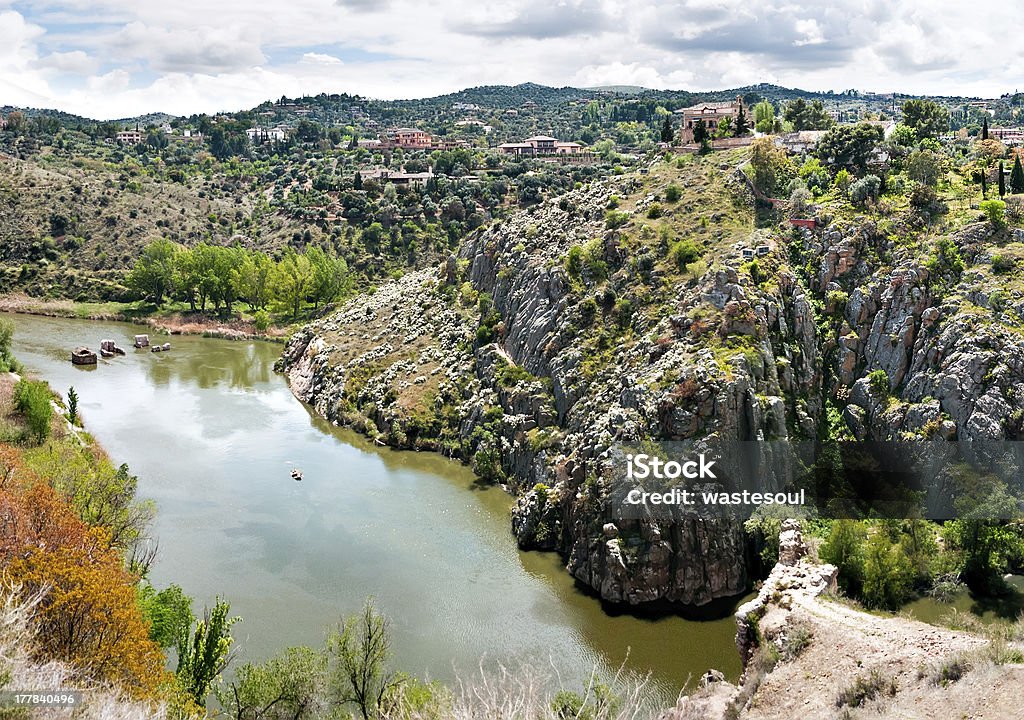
[(879, 381), (32, 399), (995, 211), (673, 193), (615, 219), (922, 196), (1002, 264), (684, 252), (261, 321), (654, 211), (623, 311), (843, 180), (865, 688), (867, 188)]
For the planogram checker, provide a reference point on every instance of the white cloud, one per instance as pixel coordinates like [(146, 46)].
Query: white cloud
[(312, 58), (195, 55)]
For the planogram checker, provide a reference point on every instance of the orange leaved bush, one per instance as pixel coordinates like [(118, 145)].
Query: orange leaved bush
[(88, 616)]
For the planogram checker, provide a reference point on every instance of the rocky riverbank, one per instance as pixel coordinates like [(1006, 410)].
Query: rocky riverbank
[(613, 315)]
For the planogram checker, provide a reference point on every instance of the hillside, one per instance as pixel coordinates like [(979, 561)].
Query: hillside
[(810, 654), (625, 311)]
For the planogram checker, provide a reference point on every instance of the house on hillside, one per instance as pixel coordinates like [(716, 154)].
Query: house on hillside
[(385, 175), (265, 135), (800, 142), (410, 139), (130, 137), (541, 146), (708, 114)]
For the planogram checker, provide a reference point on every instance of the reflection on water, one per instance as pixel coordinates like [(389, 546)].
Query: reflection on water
[(213, 433), (987, 609)]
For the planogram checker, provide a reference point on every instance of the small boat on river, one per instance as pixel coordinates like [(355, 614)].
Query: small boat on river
[(296, 475)]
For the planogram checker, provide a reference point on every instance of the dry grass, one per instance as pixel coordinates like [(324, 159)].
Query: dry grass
[(20, 672)]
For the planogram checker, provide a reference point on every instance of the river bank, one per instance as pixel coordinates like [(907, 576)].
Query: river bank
[(212, 433), (169, 322)]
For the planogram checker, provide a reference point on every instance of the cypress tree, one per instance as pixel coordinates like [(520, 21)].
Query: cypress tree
[(700, 133), (667, 132), (741, 123), (1017, 176), (1002, 180), (984, 129), (357, 181)]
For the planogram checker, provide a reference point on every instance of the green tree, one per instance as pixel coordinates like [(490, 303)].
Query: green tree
[(764, 117), (358, 653), (290, 686), (72, 405), (32, 400), (771, 165), (849, 146), (808, 116), (888, 574), (741, 124), (168, 613), (700, 132), (844, 548), (1002, 179), (203, 652), (6, 336), (357, 181), (1017, 176), (292, 279), (152, 276), (925, 167), (251, 279), (926, 118), (329, 275), (667, 131)]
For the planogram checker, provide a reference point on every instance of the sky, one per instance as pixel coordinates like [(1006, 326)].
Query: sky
[(109, 59)]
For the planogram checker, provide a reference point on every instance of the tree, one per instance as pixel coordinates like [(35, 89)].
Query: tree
[(849, 146), (1017, 176), (152, 276), (290, 686), (771, 165), (32, 400), (764, 117), (741, 124), (927, 118), (700, 132), (667, 131), (88, 616), (72, 405), (984, 128), (844, 548), (328, 276), (925, 167), (806, 116), (7, 361), (292, 279), (358, 652), (357, 181), (168, 613), (1002, 179), (203, 653), (251, 279), (888, 574)]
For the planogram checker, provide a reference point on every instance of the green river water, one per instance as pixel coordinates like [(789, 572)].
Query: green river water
[(212, 432)]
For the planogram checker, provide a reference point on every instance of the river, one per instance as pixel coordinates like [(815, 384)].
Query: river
[(213, 433)]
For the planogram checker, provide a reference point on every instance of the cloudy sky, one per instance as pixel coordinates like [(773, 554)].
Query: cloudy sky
[(117, 58)]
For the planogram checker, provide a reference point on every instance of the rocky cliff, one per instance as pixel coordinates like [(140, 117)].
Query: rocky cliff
[(629, 310)]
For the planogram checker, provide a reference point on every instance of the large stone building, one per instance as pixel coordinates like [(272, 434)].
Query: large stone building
[(708, 114)]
